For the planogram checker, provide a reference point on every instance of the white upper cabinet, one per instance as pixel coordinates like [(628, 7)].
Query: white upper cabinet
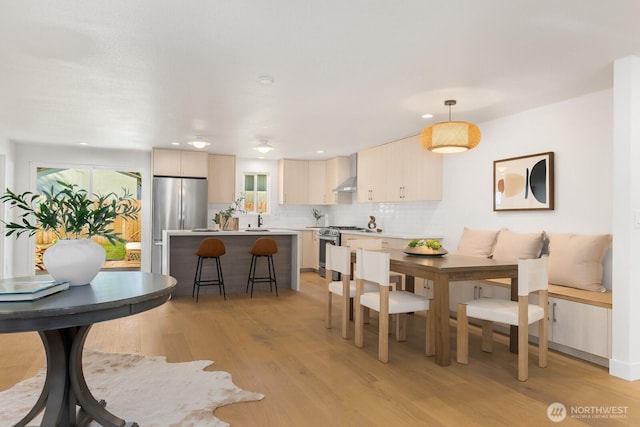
[(180, 163), (222, 178), (372, 174), (413, 173), (399, 171), (310, 182), (293, 182), (317, 181)]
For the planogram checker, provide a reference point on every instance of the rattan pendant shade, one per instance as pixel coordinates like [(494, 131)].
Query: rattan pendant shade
[(451, 136)]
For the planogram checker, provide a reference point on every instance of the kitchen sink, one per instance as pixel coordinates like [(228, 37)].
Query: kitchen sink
[(257, 229)]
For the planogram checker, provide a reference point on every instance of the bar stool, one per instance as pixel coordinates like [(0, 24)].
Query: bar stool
[(263, 247), (210, 248)]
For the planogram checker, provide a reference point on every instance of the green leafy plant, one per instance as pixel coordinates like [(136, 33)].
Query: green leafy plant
[(430, 243), (69, 212), (223, 216)]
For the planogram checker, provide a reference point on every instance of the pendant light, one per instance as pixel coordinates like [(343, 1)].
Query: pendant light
[(451, 136)]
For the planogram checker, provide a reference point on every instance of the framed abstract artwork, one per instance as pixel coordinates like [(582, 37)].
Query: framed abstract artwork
[(523, 183)]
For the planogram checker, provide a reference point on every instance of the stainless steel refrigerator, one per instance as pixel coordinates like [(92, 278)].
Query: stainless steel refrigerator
[(178, 204)]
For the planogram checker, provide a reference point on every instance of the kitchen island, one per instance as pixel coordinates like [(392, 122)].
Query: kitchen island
[(179, 259)]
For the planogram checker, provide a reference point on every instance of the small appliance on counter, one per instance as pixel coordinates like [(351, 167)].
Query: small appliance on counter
[(372, 223)]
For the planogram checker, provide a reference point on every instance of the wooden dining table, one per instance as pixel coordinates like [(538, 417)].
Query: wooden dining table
[(446, 270)]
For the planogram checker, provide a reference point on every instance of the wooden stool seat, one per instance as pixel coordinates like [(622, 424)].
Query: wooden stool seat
[(263, 247), (209, 248)]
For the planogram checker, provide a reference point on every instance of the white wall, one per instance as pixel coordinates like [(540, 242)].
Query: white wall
[(6, 181), (29, 156), (625, 362), (579, 132)]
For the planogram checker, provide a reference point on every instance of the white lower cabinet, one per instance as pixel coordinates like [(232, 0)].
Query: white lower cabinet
[(583, 327), (307, 252), (316, 250), (573, 327), (423, 287), (469, 290)]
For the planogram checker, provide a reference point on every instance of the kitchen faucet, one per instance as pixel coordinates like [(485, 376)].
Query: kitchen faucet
[(259, 219)]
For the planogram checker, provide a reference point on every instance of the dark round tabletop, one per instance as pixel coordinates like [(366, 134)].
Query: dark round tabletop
[(110, 295)]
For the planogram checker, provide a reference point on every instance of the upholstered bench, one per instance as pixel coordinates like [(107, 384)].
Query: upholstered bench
[(580, 308)]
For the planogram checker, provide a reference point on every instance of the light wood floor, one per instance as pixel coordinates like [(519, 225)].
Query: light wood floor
[(312, 377)]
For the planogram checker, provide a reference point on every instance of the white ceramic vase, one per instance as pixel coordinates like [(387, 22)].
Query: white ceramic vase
[(75, 260)]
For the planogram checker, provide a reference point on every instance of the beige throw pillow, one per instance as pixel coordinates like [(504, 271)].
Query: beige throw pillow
[(576, 260), (477, 242), (510, 246)]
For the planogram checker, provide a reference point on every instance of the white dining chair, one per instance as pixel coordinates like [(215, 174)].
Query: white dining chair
[(338, 258), (374, 267), (532, 277), (372, 245)]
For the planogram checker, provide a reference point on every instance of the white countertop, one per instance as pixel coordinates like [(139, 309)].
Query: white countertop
[(392, 235), (295, 230), (395, 235), (272, 231)]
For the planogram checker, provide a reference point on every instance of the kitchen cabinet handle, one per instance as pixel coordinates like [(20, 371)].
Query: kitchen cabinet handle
[(480, 292), (475, 292), (553, 312)]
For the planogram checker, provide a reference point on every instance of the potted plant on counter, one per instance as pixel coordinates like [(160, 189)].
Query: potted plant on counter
[(225, 219), (317, 215), (74, 217)]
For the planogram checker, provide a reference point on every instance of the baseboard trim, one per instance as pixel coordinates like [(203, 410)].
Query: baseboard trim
[(624, 370)]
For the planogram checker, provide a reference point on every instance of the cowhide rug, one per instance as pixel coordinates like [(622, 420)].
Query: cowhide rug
[(147, 390)]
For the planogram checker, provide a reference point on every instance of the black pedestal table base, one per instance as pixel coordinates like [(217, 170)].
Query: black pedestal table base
[(66, 398)]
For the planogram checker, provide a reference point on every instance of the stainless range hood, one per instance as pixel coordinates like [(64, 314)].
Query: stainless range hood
[(350, 185)]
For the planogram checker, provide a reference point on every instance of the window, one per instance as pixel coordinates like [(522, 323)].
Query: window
[(256, 193), (96, 181), (99, 181)]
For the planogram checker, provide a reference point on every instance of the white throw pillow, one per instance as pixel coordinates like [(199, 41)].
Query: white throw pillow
[(511, 247), (477, 242), (576, 260)]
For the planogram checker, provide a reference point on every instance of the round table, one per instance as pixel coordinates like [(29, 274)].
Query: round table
[(63, 321)]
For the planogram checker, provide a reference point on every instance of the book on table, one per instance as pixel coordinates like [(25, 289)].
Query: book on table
[(30, 290)]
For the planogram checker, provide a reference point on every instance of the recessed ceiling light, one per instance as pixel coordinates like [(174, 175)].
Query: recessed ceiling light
[(265, 80), (175, 143), (83, 143), (320, 151), (427, 116)]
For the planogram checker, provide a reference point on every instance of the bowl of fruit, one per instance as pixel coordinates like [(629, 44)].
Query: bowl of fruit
[(425, 247)]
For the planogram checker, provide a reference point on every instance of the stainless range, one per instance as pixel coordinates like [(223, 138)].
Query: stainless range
[(331, 235)]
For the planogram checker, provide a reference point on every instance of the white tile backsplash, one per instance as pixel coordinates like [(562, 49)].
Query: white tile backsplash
[(417, 218)]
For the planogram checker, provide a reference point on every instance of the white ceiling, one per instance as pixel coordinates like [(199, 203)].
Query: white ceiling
[(347, 73)]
